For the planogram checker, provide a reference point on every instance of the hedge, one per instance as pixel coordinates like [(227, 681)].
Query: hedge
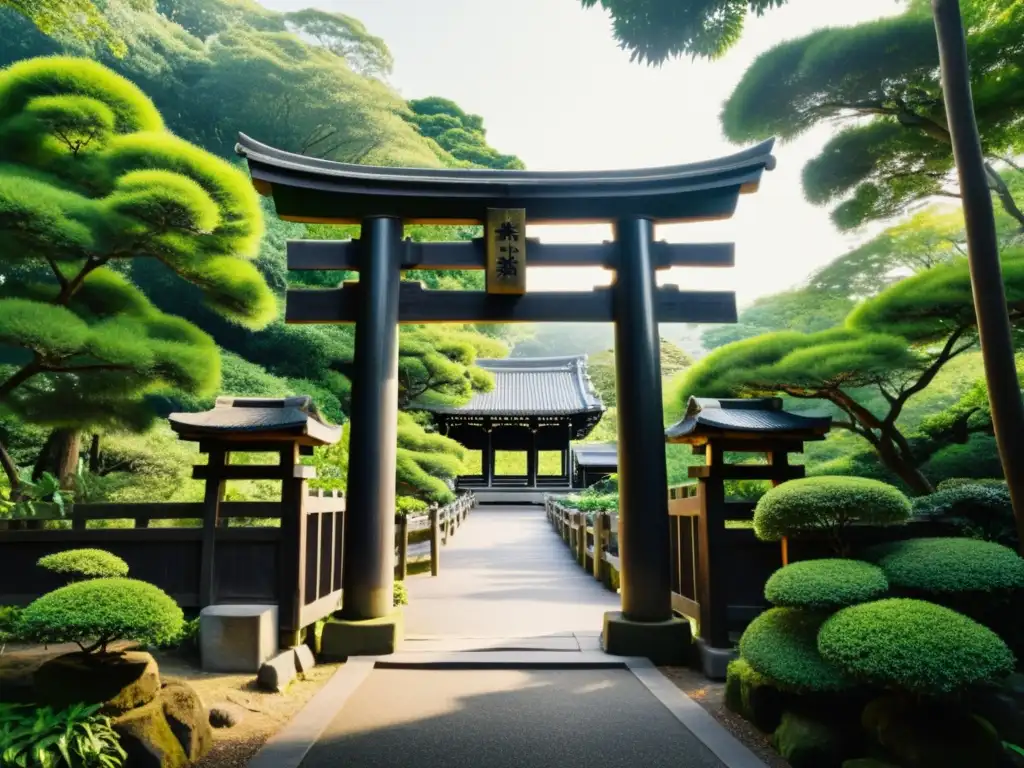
[(97, 612), (827, 504), (781, 644), (914, 646), (825, 585), (85, 564), (978, 510), (946, 565)]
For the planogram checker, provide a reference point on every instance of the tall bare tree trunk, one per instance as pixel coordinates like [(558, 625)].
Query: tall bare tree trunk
[(983, 253), (59, 456)]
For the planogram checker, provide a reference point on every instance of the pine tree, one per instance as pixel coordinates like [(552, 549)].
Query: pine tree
[(91, 180)]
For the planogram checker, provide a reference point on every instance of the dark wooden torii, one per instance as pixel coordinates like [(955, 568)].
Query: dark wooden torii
[(382, 200)]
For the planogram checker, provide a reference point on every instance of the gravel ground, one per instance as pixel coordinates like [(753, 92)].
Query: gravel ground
[(262, 713), (711, 696)]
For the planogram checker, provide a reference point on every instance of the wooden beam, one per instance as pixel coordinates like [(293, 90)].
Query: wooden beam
[(417, 305), (748, 472), (305, 255), (256, 472)]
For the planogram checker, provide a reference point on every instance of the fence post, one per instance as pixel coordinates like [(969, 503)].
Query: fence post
[(600, 526), (212, 496), (77, 520), (445, 523), (581, 539), (435, 543), (402, 531)]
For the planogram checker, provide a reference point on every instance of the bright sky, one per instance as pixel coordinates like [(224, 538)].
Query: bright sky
[(554, 88)]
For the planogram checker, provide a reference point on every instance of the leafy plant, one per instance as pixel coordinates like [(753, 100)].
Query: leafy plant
[(914, 646), (825, 585), (96, 612), (409, 505), (400, 593), (81, 564), (829, 505), (76, 737), (34, 497), (9, 617)]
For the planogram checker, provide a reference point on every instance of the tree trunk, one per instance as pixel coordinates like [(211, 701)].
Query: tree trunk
[(94, 454), (994, 332), (10, 469), (1005, 197), (59, 456), (903, 469)]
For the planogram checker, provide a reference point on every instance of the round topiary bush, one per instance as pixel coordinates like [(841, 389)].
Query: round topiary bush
[(96, 612), (942, 566), (828, 505), (85, 564), (914, 646), (781, 644), (984, 511), (825, 585)]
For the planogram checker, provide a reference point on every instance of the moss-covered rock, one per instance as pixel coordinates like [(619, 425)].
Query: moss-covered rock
[(921, 734), (809, 742), (187, 719), (752, 696), (147, 738), (118, 681), (1002, 711)]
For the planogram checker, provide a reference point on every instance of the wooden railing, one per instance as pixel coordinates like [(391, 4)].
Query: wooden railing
[(440, 522), (594, 544)]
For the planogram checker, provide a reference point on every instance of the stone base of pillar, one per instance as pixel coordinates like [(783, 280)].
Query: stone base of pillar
[(714, 662), (663, 642), (342, 638)]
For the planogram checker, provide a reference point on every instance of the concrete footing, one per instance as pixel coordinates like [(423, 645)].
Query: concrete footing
[(237, 638), (663, 642), (342, 638), (714, 662)]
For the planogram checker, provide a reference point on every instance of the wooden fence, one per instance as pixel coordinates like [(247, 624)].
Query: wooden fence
[(747, 561), (244, 562)]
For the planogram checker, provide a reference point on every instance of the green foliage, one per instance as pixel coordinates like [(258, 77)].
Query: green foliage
[(76, 737), (936, 566), (401, 594), (828, 505), (809, 740), (409, 505), (588, 501), (80, 19), (96, 612), (804, 310), (781, 644), (80, 564), (980, 511), (753, 696), (825, 585), (460, 134), (37, 498), (913, 646), (10, 615)]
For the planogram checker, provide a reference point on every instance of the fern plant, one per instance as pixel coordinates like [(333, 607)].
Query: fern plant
[(76, 737)]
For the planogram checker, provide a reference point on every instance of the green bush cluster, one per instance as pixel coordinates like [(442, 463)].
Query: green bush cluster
[(85, 564), (96, 612), (77, 736), (10, 615), (825, 585), (782, 645), (592, 502), (980, 511), (957, 482), (946, 565), (827, 505), (400, 594), (913, 645)]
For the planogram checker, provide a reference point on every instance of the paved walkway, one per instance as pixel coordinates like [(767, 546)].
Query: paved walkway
[(534, 690), (506, 575)]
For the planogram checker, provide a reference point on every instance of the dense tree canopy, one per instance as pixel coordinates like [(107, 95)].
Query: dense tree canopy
[(797, 309), (893, 344), (460, 134), (90, 179)]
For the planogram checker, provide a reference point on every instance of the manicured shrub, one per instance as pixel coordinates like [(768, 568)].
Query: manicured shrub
[(400, 594), (979, 511), (936, 566), (827, 505), (9, 617), (914, 646), (85, 564), (97, 612), (956, 482), (825, 585), (781, 644)]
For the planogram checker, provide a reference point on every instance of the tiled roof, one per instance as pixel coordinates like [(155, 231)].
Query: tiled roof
[(533, 386), (277, 417), (755, 415), (596, 454)]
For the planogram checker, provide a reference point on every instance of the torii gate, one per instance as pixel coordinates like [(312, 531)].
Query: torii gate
[(382, 200)]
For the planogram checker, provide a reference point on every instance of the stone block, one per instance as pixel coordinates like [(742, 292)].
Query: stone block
[(342, 638), (237, 638), (663, 642), (714, 662), (304, 659), (277, 672)]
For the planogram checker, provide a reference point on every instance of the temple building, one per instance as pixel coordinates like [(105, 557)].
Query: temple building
[(519, 433)]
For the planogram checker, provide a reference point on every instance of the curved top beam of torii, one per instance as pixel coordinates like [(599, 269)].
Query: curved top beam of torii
[(309, 189)]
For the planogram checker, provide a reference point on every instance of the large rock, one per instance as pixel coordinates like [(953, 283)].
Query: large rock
[(187, 719), (1002, 711), (275, 674), (118, 681), (237, 638), (304, 659), (917, 734), (809, 742), (225, 716), (147, 738), (753, 697)]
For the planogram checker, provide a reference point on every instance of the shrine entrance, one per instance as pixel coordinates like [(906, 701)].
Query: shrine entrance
[(382, 200)]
